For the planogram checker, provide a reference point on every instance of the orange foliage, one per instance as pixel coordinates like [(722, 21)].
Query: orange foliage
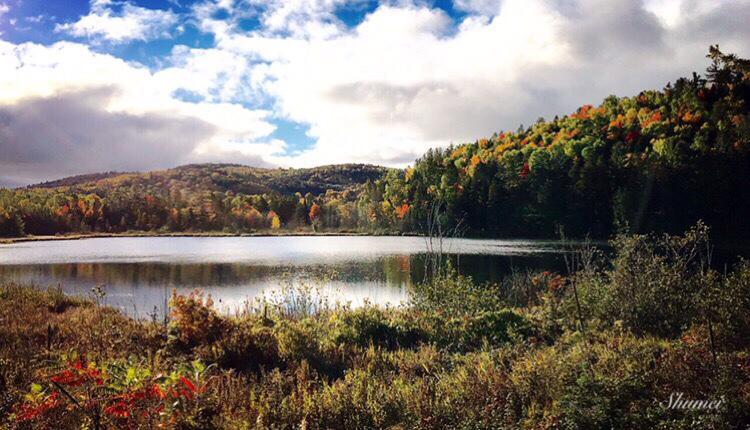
[(64, 210), (583, 112), (458, 152), (402, 210), (314, 212), (504, 147), (656, 117), (691, 118)]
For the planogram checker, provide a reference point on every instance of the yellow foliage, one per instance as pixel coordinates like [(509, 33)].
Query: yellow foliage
[(499, 149), (409, 174), (458, 152), (631, 116)]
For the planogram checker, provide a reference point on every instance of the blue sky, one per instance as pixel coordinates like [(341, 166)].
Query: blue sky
[(92, 85)]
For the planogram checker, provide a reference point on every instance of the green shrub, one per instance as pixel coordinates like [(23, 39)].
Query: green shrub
[(369, 325), (487, 328)]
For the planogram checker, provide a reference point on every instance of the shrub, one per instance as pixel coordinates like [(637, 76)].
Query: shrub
[(454, 294), (656, 283), (369, 325), (243, 345), (116, 395), (193, 321)]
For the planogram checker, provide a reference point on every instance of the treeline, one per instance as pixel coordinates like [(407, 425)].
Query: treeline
[(659, 161), (46, 212), (192, 198)]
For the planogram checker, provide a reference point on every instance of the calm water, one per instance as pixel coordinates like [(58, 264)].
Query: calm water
[(138, 274)]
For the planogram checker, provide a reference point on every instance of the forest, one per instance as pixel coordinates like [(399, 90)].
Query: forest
[(630, 164), (636, 164), (208, 197)]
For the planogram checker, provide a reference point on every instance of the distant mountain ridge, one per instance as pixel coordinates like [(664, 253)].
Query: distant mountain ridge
[(225, 177), (75, 180)]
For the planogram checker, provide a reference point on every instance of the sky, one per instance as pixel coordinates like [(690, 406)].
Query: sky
[(135, 85)]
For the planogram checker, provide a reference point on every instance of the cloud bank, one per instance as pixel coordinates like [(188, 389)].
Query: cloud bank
[(404, 78)]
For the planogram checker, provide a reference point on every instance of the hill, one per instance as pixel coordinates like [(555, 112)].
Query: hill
[(198, 197), (659, 161), (75, 180), (231, 178)]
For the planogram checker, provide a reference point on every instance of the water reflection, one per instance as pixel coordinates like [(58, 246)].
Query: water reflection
[(139, 274)]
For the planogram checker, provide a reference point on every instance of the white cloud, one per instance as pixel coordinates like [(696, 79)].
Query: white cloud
[(408, 77), (4, 8), (482, 7), (132, 23), (97, 112), (291, 18)]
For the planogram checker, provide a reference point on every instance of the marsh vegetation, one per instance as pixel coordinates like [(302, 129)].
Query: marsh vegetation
[(604, 346)]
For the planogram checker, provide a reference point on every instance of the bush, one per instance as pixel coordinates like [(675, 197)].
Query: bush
[(244, 345), (193, 321), (656, 284), (373, 326)]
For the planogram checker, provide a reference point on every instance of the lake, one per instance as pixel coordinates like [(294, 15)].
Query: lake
[(138, 274)]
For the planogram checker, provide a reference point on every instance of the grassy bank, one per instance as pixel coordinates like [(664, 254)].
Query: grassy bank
[(605, 347)]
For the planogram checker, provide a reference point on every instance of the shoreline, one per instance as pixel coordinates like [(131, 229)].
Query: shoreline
[(725, 246), (81, 236)]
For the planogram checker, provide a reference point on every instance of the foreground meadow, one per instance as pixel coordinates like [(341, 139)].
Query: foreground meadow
[(649, 337)]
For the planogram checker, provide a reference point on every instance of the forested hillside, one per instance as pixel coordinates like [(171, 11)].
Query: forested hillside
[(206, 197), (230, 177), (658, 161)]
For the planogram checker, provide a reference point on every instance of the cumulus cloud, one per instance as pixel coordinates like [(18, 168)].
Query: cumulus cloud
[(131, 23), (288, 18), (67, 110), (406, 78), (72, 132), (481, 7), (409, 77)]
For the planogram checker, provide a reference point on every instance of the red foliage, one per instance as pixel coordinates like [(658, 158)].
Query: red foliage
[(631, 136), (190, 386), (29, 412), (126, 406), (78, 374), (118, 410), (525, 170)]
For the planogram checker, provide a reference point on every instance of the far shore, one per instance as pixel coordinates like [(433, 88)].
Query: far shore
[(264, 233)]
